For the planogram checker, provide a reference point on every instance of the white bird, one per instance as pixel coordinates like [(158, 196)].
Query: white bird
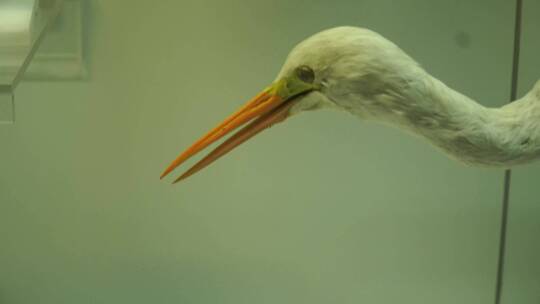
[(361, 72)]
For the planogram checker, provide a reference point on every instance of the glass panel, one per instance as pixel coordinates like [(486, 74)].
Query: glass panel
[(522, 273), (320, 209)]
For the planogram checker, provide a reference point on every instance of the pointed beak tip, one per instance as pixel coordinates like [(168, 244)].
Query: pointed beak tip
[(168, 170), (176, 181)]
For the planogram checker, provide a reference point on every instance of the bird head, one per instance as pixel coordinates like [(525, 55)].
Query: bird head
[(316, 74)]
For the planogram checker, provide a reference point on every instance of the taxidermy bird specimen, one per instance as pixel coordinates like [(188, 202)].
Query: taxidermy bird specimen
[(361, 72)]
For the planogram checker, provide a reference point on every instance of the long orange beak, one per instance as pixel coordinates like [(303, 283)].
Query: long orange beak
[(264, 110)]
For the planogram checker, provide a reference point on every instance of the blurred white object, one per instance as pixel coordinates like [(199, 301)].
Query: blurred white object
[(15, 22), (53, 26)]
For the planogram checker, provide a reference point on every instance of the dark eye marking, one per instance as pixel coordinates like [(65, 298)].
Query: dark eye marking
[(305, 74)]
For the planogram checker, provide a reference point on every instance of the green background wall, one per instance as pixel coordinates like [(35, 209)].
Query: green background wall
[(322, 209)]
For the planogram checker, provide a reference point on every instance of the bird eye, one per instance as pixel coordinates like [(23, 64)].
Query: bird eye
[(305, 74)]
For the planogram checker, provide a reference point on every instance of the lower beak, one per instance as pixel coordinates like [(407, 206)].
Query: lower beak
[(269, 107)]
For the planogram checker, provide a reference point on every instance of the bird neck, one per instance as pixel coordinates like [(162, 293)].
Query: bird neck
[(463, 128)]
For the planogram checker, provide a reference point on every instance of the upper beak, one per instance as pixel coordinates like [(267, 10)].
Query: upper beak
[(267, 108)]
